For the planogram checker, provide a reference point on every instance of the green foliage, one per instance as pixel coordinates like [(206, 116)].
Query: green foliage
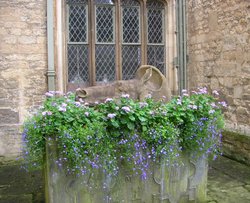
[(123, 130)]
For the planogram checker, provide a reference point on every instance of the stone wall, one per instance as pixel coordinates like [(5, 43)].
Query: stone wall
[(219, 54), (23, 64), (18, 186)]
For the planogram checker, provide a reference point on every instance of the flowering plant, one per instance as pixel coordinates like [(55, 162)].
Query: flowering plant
[(117, 131)]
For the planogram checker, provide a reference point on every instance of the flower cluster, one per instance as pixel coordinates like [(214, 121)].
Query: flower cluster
[(124, 131)]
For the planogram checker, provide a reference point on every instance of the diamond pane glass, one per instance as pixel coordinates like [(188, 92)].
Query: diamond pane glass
[(77, 1), (156, 57), (78, 64), (77, 23), (131, 60), (155, 4), (131, 25), (104, 2), (104, 24), (155, 23), (130, 3), (105, 63)]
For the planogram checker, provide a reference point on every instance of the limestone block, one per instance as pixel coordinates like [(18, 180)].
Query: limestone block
[(8, 116), (238, 91), (27, 39)]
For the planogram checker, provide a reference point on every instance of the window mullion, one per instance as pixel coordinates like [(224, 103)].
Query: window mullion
[(118, 41), (92, 43), (144, 32)]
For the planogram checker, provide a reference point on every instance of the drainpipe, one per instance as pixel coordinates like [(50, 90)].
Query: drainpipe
[(181, 62), (50, 46)]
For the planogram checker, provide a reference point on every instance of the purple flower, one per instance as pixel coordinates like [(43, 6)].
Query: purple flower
[(202, 90), (111, 115), (224, 104), (86, 113), (213, 105), (126, 109), (44, 113)]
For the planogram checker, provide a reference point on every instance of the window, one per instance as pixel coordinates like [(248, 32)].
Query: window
[(108, 40)]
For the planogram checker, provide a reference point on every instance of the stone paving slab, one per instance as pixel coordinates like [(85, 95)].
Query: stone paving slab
[(228, 182)]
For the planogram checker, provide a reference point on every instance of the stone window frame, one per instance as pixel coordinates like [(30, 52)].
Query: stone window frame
[(169, 36)]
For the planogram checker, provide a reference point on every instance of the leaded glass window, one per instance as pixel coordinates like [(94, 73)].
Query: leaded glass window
[(155, 36), (131, 39), (77, 49), (107, 41)]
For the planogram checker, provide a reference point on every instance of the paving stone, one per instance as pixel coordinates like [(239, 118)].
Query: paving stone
[(16, 199), (228, 182), (233, 169)]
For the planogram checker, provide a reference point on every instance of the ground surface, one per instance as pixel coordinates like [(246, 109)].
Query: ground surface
[(228, 182)]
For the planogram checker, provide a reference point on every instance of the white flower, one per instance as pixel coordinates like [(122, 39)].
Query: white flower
[(126, 109), (213, 105), (193, 107), (215, 92), (49, 113), (63, 105), (49, 94), (61, 108), (108, 100), (125, 95), (178, 101), (202, 90), (143, 104), (211, 111), (111, 115), (86, 113), (78, 104)]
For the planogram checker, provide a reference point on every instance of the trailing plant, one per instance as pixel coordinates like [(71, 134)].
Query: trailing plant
[(123, 131)]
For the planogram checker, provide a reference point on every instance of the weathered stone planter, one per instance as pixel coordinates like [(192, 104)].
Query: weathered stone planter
[(185, 183)]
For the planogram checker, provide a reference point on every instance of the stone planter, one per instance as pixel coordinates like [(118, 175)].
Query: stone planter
[(185, 183)]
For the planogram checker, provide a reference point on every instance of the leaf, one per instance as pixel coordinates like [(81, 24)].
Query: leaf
[(132, 118), (142, 119), (115, 124), (131, 126)]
